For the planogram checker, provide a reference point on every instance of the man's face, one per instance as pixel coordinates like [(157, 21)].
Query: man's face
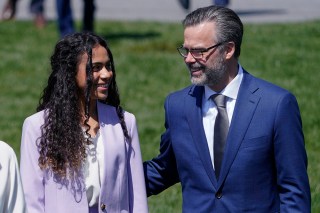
[(211, 68)]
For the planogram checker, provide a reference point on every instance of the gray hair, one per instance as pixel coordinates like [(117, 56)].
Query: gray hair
[(228, 23)]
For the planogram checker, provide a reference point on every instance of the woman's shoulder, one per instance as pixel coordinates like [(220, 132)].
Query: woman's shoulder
[(36, 116), (112, 110), (128, 116), (35, 119)]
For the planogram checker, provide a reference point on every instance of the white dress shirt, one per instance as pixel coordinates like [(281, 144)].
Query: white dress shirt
[(11, 191), (209, 109)]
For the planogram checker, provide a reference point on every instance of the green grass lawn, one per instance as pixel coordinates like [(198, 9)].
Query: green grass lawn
[(149, 67)]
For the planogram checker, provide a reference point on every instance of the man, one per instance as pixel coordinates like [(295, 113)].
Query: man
[(257, 162)]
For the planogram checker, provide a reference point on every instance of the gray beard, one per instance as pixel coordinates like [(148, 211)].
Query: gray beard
[(211, 75)]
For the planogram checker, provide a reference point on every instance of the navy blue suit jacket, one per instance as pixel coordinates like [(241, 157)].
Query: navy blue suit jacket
[(264, 168)]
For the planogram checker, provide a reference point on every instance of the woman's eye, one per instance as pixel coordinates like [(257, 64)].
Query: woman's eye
[(96, 68), (109, 66)]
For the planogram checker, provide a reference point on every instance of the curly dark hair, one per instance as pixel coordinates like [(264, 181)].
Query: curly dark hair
[(62, 143)]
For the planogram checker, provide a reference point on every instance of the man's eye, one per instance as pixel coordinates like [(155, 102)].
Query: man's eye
[(196, 51)]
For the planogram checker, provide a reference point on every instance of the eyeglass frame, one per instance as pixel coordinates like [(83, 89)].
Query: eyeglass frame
[(200, 50)]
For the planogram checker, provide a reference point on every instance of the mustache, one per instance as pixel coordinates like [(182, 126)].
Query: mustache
[(196, 66)]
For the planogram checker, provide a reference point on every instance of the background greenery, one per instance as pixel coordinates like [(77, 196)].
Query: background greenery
[(149, 67)]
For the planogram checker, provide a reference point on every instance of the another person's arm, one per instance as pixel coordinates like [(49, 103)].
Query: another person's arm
[(11, 191), (161, 172)]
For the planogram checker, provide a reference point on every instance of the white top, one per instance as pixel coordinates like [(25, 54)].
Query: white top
[(93, 171), (209, 109), (11, 191)]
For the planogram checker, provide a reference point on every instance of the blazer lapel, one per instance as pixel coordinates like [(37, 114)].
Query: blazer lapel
[(245, 107), (193, 104)]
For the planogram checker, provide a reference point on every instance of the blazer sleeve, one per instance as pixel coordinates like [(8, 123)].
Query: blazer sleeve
[(138, 195), (291, 158), (31, 174)]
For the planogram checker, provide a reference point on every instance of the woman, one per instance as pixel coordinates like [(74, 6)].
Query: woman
[(80, 152), (11, 192)]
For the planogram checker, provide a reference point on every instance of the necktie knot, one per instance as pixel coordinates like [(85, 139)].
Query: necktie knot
[(219, 100)]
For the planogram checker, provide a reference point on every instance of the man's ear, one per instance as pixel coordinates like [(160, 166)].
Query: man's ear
[(230, 48)]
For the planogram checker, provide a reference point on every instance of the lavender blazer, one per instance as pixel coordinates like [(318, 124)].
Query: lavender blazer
[(122, 188)]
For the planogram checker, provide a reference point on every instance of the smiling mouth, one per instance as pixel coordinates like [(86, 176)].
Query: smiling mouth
[(106, 85), (102, 86), (195, 69)]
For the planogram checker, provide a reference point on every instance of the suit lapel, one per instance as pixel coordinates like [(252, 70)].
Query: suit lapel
[(245, 107), (193, 103)]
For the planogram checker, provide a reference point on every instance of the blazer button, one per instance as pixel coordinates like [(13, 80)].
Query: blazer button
[(102, 206), (219, 195)]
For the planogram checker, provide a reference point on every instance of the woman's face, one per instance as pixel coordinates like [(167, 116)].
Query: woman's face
[(102, 73)]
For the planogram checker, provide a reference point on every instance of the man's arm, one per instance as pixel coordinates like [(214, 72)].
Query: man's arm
[(291, 158), (161, 172)]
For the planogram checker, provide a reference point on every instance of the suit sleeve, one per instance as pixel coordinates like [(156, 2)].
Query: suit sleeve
[(291, 158), (161, 172), (136, 170), (31, 174)]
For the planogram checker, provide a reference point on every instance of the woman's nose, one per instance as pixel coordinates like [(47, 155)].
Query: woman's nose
[(105, 73)]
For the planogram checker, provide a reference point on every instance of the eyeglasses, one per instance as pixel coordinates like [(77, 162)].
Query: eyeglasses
[(196, 53)]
